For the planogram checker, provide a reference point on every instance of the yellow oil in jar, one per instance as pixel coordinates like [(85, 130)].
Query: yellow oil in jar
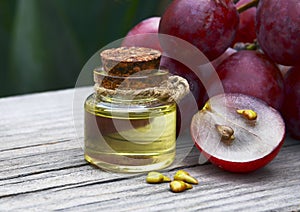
[(135, 137)]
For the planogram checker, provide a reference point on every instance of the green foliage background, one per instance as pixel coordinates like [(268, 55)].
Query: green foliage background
[(45, 43)]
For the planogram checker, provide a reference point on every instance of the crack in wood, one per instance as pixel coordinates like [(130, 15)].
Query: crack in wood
[(35, 145), (43, 171), (72, 185), (102, 182), (38, 154), (86, 204)]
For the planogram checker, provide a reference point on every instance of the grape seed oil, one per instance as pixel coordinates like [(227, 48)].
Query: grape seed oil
[(132, 138)]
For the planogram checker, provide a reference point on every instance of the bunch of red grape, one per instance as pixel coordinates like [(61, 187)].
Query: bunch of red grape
[(270, 33)]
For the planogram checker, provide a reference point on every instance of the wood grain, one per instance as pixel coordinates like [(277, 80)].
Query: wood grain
[(42, 168)]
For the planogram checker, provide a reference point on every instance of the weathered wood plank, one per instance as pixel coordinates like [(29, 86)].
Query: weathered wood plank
[(85, 187), (19, 179), (36, 119), (42, 167)]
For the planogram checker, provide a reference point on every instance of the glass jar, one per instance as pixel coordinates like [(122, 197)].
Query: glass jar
[(126, 131)]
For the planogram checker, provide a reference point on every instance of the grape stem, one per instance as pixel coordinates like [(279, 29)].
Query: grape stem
[(248, 5)]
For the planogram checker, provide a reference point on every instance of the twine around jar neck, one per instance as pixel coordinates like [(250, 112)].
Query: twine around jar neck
[(173, 89)]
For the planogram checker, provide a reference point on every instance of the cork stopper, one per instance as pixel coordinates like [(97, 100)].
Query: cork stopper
[(133, 67), (125, 61)]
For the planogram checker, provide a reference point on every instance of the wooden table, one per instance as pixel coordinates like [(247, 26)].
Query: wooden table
[(42, 168)]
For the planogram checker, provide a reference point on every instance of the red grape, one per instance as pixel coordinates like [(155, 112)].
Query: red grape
[(251, 73), (210, 25), (233, 142), (190, 104), (278, 30), (291, 106), (177, 68), (246, 32), (144, 34), (221, 58)]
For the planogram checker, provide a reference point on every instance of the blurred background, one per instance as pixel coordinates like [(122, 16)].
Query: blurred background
[(45, 43)]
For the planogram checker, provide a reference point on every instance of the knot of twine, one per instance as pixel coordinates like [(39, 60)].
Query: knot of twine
[(172, 89)]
